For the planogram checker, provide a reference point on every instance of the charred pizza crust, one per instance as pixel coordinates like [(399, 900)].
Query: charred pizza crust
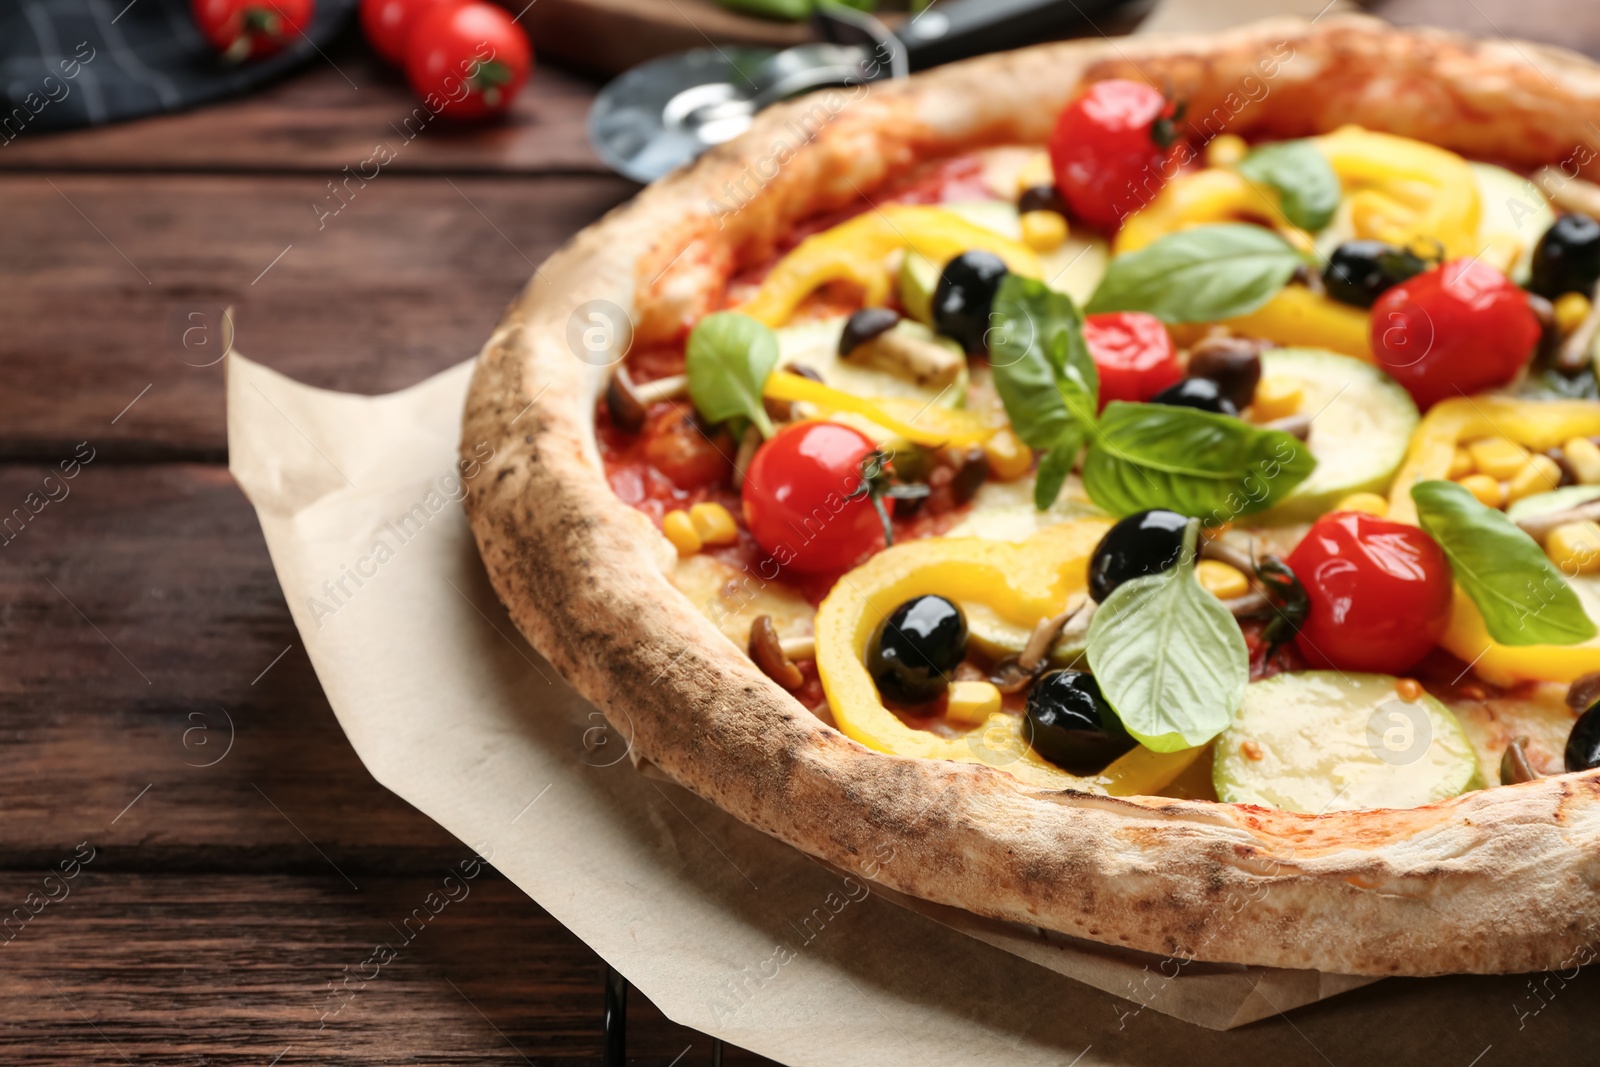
[(1494, 881)]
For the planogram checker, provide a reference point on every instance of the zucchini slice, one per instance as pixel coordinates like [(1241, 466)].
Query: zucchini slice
[(1320, 741)]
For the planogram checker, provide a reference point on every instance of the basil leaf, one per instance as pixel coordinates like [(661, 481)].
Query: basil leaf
[(728, 360), (1042, 368), (1308, 189), (1169, 657), (1200, 274), (1044, 374), (1192, 462), (1054, 467), (1522, 595)]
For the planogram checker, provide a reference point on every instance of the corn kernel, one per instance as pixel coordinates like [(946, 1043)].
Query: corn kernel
[(1488, 490), (1371, 503), (713, 524), (971, 703), (1498, 457), (1583, 456), (1043, 231), (1575, 547), (1009, 459), (1461, 464), (1571, 309), (1226, 149), (1539, 475), (1277, 398), (1034, 173), (1221, 580), (679, 529), (1408, 689)]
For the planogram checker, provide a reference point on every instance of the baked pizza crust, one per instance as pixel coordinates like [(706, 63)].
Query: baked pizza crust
[(1500, 880)]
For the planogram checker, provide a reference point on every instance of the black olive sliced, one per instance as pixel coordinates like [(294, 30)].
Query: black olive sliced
[(1071, 725), (1041, 198), (1358, 272), (1567, 257), (913, 653), (1583, 744), (1146, 542), (1202, 394), (964, 296)]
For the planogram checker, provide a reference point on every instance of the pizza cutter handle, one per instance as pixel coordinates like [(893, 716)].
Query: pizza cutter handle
[(956, 29)]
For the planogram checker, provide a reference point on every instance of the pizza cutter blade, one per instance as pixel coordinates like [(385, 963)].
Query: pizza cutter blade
[(664, 113)]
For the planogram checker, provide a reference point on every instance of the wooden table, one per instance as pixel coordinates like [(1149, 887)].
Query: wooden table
[(158, 711)]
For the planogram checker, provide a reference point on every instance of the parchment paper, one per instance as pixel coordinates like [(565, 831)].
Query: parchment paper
[(723, 928)]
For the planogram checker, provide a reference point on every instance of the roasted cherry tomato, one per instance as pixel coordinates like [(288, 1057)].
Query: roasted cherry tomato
[(469, 59), (249, 29), (1133, 353), (1112, 149), (387, 24), (1380, 593), (679, 447), (803, 500), (1456, 329)]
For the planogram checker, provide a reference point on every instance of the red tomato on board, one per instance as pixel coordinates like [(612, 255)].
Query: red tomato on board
[(388, 23), (249, 29), (1112, 151), (1380, 593), (470, 59), (1457, 329), (1134, 354), (797, 501)]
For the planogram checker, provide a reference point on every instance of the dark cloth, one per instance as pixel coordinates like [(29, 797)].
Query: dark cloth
[(69, 63)]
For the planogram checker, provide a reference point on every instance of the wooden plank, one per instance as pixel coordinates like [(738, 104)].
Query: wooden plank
[(286, 970), (142, 629), (101, 277), (328, 116)]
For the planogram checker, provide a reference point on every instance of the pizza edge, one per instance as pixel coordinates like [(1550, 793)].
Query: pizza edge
[(1498, 880)]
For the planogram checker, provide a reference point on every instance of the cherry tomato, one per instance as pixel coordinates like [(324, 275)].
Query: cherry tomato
[(1112, 149), (1134, 354), (249, 29), (1456, 329), (1380, 593), (797, 498), (387, 24), (467, 60)]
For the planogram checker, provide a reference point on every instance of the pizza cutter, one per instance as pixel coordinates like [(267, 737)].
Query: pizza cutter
[(664, 113)]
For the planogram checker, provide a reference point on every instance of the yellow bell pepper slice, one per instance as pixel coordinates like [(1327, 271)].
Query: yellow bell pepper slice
[(1297, 316), (1537, 425), (1447, 207), (1196, 199), (856, 251), (1022, 581), (918, 422)]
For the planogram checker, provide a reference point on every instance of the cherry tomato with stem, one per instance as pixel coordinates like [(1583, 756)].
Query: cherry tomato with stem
[(1456, 329), (467, 60), (1113, 148), (1133, 353), (250, 29), (387, 24), (1379, 593), (805, 497)]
